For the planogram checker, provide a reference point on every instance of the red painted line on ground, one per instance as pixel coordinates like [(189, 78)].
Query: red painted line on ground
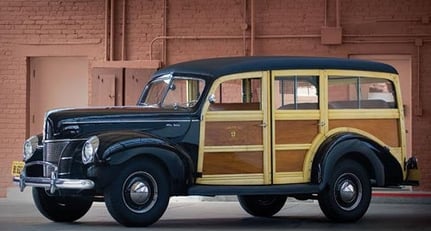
[(408, 195)]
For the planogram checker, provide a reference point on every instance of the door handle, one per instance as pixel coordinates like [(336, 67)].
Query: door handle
[(321, 123), (262, 125)]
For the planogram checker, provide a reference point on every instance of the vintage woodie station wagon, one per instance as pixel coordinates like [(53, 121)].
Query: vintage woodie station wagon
[(261, 128)]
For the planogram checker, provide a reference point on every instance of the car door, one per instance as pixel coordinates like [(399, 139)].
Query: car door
[(235, 132), (297, 123)]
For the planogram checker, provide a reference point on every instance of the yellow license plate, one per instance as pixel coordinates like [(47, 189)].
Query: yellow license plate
[(17, 167)]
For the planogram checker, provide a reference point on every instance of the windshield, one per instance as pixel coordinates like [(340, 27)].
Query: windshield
[(173, 92)]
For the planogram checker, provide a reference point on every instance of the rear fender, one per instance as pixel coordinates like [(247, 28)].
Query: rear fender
[(350, 146)]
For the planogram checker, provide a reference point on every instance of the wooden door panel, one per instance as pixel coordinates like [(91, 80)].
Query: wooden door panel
[(235, 140), (226, 133), (104, 86), (295, 131), (290, 160), (233, 162), (135, 81), (107, 86), (296, 122)]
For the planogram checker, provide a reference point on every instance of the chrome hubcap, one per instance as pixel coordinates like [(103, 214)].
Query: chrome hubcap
[(139, 193), (348, 191)]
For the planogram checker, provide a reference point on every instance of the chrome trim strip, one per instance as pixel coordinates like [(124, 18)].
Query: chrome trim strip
[(64, 173), (64, 140), (66, 158), (129, 121)]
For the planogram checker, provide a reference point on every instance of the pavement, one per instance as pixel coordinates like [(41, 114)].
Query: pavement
[(393, 209), (401, 196), (380, 195)]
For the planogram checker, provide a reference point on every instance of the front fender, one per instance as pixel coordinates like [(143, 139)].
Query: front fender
[(118, 148)]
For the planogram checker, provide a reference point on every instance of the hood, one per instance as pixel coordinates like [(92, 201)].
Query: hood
[(84, 122)]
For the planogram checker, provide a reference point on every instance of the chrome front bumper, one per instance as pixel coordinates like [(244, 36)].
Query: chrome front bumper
[(53, 182)]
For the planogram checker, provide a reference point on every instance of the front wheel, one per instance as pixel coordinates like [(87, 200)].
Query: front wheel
[(60, 209), (139, 195), (348, 194), (262, 205)]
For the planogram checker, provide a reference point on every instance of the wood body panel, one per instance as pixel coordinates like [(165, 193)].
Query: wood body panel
[(290, 160), (233, 133), (233, 162), (386, 130), (295, 131)]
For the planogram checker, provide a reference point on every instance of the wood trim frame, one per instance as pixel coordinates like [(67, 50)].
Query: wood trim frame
[(258, 118)]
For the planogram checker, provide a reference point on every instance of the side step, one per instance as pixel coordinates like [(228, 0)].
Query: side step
[(292, 190)]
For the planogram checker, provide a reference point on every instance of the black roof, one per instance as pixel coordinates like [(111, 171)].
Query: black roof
[(215, 67)]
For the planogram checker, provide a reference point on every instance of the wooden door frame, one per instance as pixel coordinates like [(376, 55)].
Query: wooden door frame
[(313, 118), (261, 115)]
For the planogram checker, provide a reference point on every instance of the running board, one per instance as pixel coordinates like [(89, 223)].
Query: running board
[(292, 190)]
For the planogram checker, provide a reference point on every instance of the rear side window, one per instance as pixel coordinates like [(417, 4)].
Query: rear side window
[(360, 93), (296, 92)]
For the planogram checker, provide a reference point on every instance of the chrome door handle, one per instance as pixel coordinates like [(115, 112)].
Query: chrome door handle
[(321, 123), (262, 125)]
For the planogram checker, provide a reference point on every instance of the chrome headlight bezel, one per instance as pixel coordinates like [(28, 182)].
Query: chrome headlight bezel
[(90, 149), (29, 147)]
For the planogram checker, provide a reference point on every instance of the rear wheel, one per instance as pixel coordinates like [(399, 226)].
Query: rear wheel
[(348, 194), (139, 195), (262, 205), (60, 209)]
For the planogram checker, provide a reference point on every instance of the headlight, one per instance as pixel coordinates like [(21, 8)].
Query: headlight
[(30, 146), (90, 149)]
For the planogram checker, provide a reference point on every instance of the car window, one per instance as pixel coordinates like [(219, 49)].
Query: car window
[(238, 94), (296, 92), (173, 92), (360, 92), (183, 92)]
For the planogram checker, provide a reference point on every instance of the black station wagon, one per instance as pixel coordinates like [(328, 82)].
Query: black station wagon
[(261, 128)]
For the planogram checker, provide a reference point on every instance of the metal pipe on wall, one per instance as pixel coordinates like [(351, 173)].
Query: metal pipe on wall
[(123, 31), (244, 28), (150, 46), (106, 30), (337, 13), (252, 32), (325, 13), (418, 111), (111, 37), (165, 31)]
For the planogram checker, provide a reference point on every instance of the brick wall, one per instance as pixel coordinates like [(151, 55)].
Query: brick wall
[(198, 29), (12, 112), (24, 27), (422, 124)]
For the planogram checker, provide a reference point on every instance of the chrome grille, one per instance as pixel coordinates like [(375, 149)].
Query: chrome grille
[(51, 153)]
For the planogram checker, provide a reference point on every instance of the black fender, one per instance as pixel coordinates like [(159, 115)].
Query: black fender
[(377, 160), (117, 148)]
